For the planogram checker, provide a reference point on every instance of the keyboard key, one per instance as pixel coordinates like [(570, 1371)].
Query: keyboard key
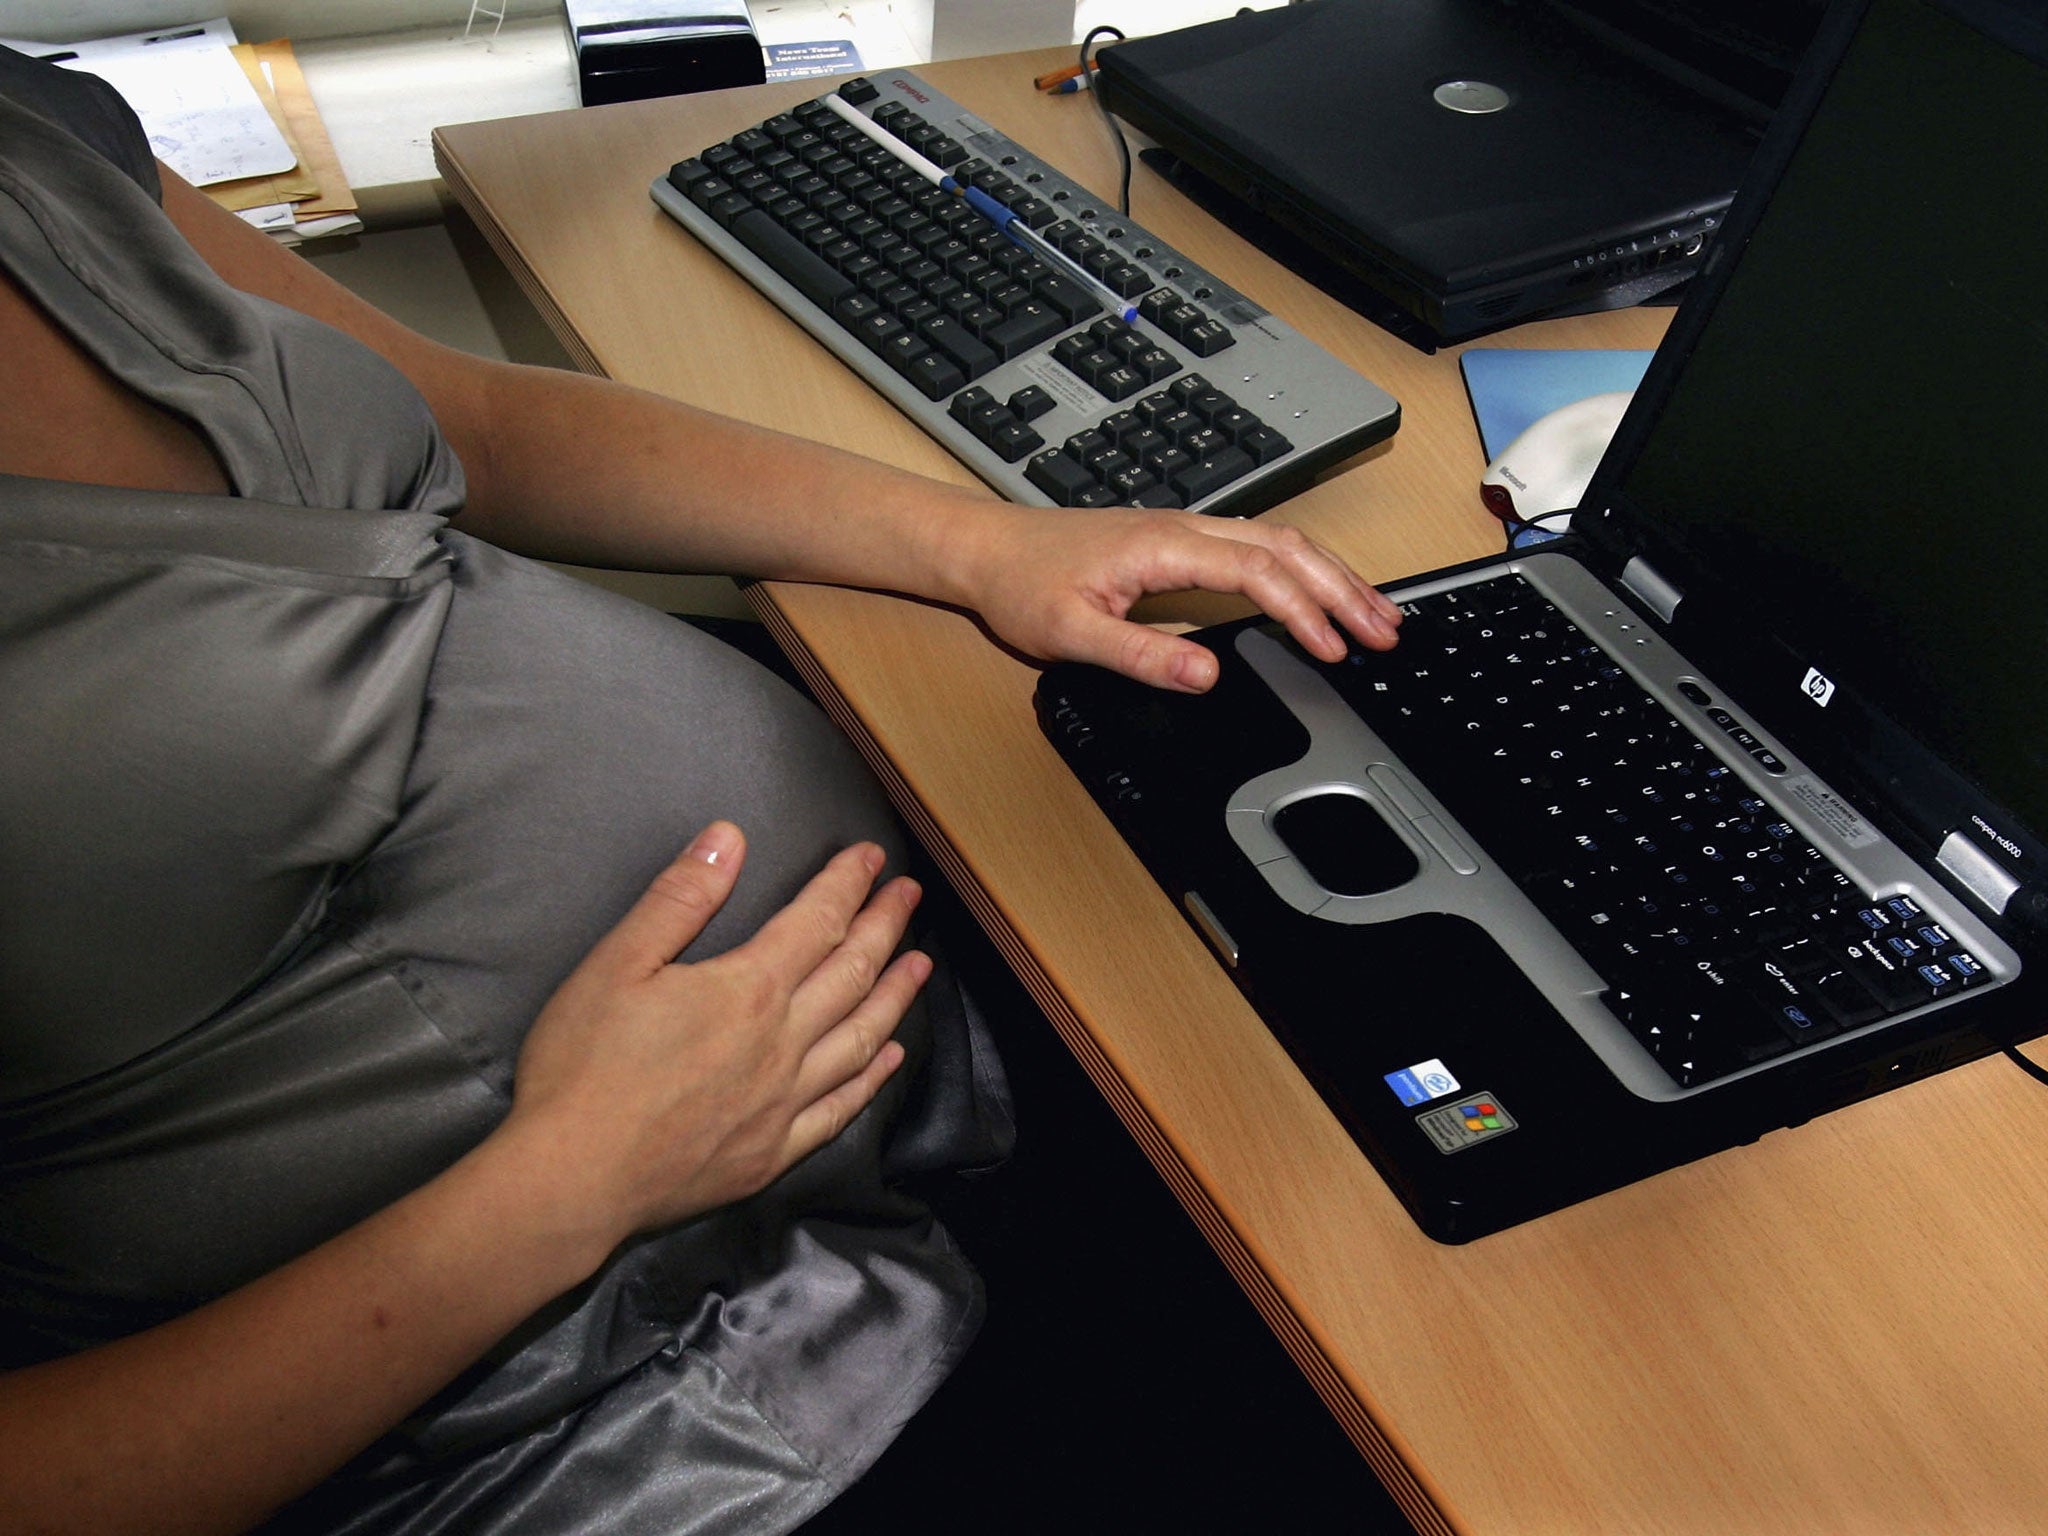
[(1967, 969), (1119, 382), (1129, 481), (901, 350), (958, 343), (1152, 407), (1178, 319), (981, 318), (812, 276), (969, 401), (1156, 303), (1062, 478), (1125, 279), (730, 207), (1106, 462), (1012, 440), (1846, 999), (879, 329), (936, 375), (1167, 462), (1264, 444), (1069, 299), (1142, 442), (1233, 421), (854, 308), (1207, 476), (1030, 402), (984, 421), (1155, 363)]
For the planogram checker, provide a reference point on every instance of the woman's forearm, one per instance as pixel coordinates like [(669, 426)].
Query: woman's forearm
[(215, 1419), (628, 479)]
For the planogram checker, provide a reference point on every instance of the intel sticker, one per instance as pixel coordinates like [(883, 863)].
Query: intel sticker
[(1422, 1082)]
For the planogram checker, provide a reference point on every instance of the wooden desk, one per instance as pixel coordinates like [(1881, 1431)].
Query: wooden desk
[(1840, 1328)]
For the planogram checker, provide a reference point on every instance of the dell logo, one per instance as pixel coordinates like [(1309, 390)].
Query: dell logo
[(1817, 688)]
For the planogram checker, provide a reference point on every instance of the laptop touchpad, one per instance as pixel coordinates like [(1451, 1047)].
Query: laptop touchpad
[(1344, 844)]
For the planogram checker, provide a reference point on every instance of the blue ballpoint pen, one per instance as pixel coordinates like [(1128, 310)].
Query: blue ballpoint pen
[(1013, 228)]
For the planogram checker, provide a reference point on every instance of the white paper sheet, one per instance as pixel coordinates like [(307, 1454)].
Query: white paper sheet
[(203, 118)]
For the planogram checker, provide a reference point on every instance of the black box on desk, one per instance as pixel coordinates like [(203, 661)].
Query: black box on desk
[(629, 50)]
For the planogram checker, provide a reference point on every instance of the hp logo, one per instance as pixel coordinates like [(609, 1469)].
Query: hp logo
[(1817, 688)]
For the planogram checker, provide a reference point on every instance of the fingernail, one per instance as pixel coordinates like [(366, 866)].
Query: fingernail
[(1194, 670), (716, 843), (913, 893), (872, 859)]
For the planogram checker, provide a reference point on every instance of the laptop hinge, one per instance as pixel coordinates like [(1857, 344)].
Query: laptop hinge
[(1973, 867), (1662, 597)]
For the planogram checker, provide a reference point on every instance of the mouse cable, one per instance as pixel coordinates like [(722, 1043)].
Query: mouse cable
[(1520, 528), (1123, 148), (2027, 1065)]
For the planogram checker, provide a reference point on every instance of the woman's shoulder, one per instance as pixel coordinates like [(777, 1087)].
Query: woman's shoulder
[(85, 106)]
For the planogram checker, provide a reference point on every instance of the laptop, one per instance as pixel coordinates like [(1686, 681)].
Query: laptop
[(1473, 162), (1728, 809)]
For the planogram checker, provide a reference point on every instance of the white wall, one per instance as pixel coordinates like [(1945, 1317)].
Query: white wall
[(254, 20)]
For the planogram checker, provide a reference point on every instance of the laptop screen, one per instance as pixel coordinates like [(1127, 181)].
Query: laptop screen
[(1854, 446)]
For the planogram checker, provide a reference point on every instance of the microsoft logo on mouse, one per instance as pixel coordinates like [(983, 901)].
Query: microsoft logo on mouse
[(1817, 688)]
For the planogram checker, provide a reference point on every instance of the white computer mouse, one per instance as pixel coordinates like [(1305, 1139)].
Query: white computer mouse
[(1546, 468)]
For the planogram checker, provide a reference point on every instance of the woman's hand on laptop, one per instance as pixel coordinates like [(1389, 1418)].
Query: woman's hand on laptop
[(1059, 586)]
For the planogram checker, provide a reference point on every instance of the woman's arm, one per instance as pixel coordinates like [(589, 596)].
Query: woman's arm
[(647, 1092), (579, 469)]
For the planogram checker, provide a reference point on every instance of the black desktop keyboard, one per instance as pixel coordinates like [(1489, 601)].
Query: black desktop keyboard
[(1727, 939), (1020, 363)]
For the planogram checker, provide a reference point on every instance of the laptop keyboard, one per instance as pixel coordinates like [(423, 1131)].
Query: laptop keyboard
[(1024, 368), (1727, 938)]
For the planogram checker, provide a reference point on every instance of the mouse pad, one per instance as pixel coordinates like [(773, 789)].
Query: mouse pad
[(1511, 387)]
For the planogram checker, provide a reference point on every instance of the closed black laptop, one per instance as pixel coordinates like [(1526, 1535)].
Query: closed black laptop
[(1476, 161), (1728, 810)]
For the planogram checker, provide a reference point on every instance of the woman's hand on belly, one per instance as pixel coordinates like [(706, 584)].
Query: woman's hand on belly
[(651, 1090)]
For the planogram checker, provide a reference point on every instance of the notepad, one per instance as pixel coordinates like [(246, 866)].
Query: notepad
[(203, 118)]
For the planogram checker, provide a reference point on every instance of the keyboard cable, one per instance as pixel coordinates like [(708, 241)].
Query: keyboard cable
[(1123, 148)]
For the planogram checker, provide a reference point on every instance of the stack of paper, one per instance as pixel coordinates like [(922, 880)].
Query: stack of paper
[(234, 119)]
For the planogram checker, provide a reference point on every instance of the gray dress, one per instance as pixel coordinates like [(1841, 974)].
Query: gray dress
[(307, 803)]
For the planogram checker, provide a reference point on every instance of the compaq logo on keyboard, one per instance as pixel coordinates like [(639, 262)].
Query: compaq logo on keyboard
[(1817, 688), (912, 92)]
